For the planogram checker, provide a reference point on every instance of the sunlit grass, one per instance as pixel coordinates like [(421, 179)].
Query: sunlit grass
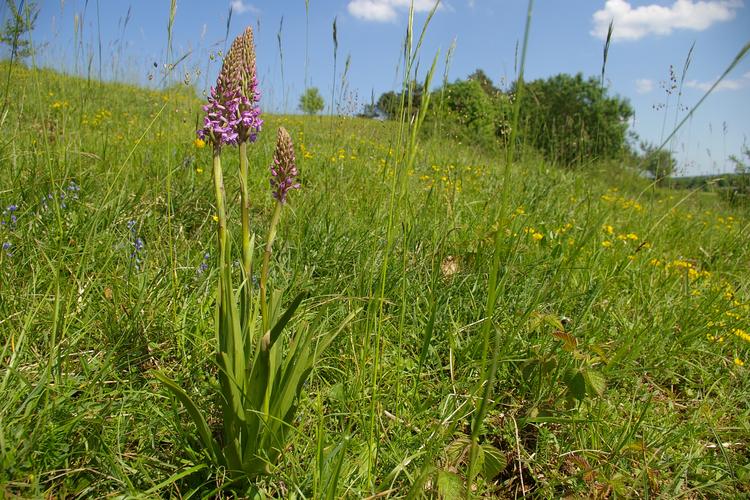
[(624, 316)]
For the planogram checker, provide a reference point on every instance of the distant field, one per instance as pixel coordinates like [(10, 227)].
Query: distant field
[(621, 333)]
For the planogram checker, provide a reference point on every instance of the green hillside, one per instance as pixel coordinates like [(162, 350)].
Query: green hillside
[(620, 336)]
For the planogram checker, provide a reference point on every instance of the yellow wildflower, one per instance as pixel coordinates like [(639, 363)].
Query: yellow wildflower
[(742, 334), (199, 143), (739, 362)]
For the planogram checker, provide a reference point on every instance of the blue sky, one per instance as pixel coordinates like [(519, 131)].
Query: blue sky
[(566, 36)]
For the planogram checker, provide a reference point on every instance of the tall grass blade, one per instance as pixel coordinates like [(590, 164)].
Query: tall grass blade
[(606, 49), (683, 75), (335, 36), (281, 60), (227, 26), (307, 43), (737, 59)]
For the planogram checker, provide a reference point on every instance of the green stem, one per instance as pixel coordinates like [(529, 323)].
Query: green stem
[(221, 228), (246, 250), (266, 260)]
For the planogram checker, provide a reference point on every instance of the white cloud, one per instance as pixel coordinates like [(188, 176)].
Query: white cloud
[(726, 84), (644, 85), (372, 10), (633, 23), (386, 10), (240, 7)]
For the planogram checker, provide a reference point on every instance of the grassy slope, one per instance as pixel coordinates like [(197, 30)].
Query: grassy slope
[(652, 285)]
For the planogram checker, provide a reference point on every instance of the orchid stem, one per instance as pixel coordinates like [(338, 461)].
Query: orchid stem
[(246, 250), (221, 228), (266, 260)]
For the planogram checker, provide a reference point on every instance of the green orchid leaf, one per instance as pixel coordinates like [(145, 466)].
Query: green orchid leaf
[(204, 431), (286, 317)]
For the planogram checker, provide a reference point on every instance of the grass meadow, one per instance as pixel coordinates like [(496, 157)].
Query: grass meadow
[(611, 361)]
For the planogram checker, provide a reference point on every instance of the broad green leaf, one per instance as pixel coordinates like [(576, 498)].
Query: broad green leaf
[(595, 382), (233, 397), (257, 382), (458, 449), (494, 461), (233, 332), (449, 485), (576, 384), (233, 454)]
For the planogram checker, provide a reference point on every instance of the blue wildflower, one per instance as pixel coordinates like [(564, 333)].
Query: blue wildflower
[(9, 216), (74, 189), (138, 245), (204, 265)]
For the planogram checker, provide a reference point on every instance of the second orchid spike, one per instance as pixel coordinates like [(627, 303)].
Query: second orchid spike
[(284, 167)]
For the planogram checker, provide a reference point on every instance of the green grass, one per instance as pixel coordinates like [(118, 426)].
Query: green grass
[(622, 316)]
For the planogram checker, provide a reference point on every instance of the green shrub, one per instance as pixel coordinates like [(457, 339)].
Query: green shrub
[(466, 111), (571, 120)]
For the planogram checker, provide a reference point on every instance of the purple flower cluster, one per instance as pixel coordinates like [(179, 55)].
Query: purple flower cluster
[(232, 112), (284, 167), (222, 117), (250, 122), (231, 117)]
